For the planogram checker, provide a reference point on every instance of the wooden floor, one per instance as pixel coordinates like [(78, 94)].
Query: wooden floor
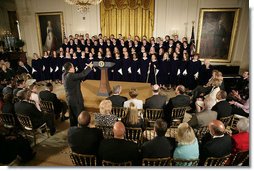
[(90, 88)]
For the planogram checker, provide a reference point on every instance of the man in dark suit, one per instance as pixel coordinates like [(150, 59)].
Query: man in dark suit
[(74, 96), (24, 68), (180, 100), (20, 85), (222, 107), (82, 139), (216, 143), (47, 95), (118, 149), (24, 107), (160, 146), (115, 98), (156, 101)]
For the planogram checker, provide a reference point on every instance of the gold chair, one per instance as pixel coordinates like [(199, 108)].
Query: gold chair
[(133, 134), (148, 134), (47, 106), (7, 120), (171, 132), (120, 112), (239, 158), (182, 162), (107, 131), (226, 120), (201, 132), (216, 161), (27, 126), (157, 161), (83, 160), (151, 115), (177, 116), (109, 163)]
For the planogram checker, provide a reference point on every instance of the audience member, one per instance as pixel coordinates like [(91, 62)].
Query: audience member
[(157, 101), (187, 147), (9, 87), (222, 107), (180, 100), (133, 119), (216, 143), (241, 109), (133, 94), (20, 85), (105, 118), (24, 107), (34, 95), (115, 98), (204, 117), (117, 149), (241, 140), (160, 146), (59, 105), (8, 106), (82, 139)]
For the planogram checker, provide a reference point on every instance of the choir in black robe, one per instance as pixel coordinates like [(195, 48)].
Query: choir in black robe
[(174, 66), (205, 74), (53, 66), (126, 65), (118, 65), (152, 78), (144, 64), (134, 70), (163, 75), (46, 67), (193, 68), (110, 73), (183, 65), (91, 74), (81, 63), (37, 69)]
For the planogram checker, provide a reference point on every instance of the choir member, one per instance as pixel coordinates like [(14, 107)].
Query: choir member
[(65, 44), (205, 72), (76, 43), (71, 52), (193, 71), (54, 66), (71, 44), (130, 45), (183, 65), (96, 46), (67, 58), (108, 58), (37, 67), (117, 76), (109, 45), (174, 66), (82, 62), (144, 67), (153, 70), (134, 68), (91, 74), (46, 59), (136, 46), (186, 47), (61, 63), (166, 42), (78, 52), (126, 67), (176, 40), (153, 44), (146, 45), (75, 61), (161, 53), (163, 75), (82, 45), (171, 44), (87, 52)]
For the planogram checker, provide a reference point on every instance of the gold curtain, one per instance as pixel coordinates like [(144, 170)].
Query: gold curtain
[(127, 17)]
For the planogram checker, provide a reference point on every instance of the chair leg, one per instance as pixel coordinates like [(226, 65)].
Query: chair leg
[(34, 138)]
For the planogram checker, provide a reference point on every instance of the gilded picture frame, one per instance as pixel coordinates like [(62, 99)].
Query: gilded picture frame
[(216, 33), (50, 30)]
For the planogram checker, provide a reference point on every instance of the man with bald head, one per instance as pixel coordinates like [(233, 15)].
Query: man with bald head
[(156, 101), (82, 139), (180, 100), (118, 149), (217, 144)]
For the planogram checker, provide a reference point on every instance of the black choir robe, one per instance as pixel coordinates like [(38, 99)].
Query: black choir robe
[(118, 65), (53, 66), (152, 78), (135, 65), (91, 74), (174, 66), (81, 63), (205, 74), (144, 64), (75, 61), (163, 75), (183, 65), (46, 67), (193, 68), (110, 73), (126, 65), (37, 69)]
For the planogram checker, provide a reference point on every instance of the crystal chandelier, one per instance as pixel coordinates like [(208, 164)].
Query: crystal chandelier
[(83, 5)]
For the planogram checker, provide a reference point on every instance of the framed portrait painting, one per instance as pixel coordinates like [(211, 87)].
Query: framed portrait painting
[(50, 30), (216, 33)]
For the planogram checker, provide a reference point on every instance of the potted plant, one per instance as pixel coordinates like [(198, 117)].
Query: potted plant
[(19, 44)]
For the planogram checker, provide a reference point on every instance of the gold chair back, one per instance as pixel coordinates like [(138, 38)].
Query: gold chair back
[(201, 132), (239, 158), (109, 163), (7, 120), (182, 162), (83, 160), (107, 131), (47, 106), (177, 115), (120, 112), (133, 134), (216, 161), (157, 161)]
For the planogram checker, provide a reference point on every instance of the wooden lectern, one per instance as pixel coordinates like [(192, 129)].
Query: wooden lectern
[(104, 88)]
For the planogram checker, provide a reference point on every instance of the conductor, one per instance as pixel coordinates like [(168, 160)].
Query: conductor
[(74, 96)]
